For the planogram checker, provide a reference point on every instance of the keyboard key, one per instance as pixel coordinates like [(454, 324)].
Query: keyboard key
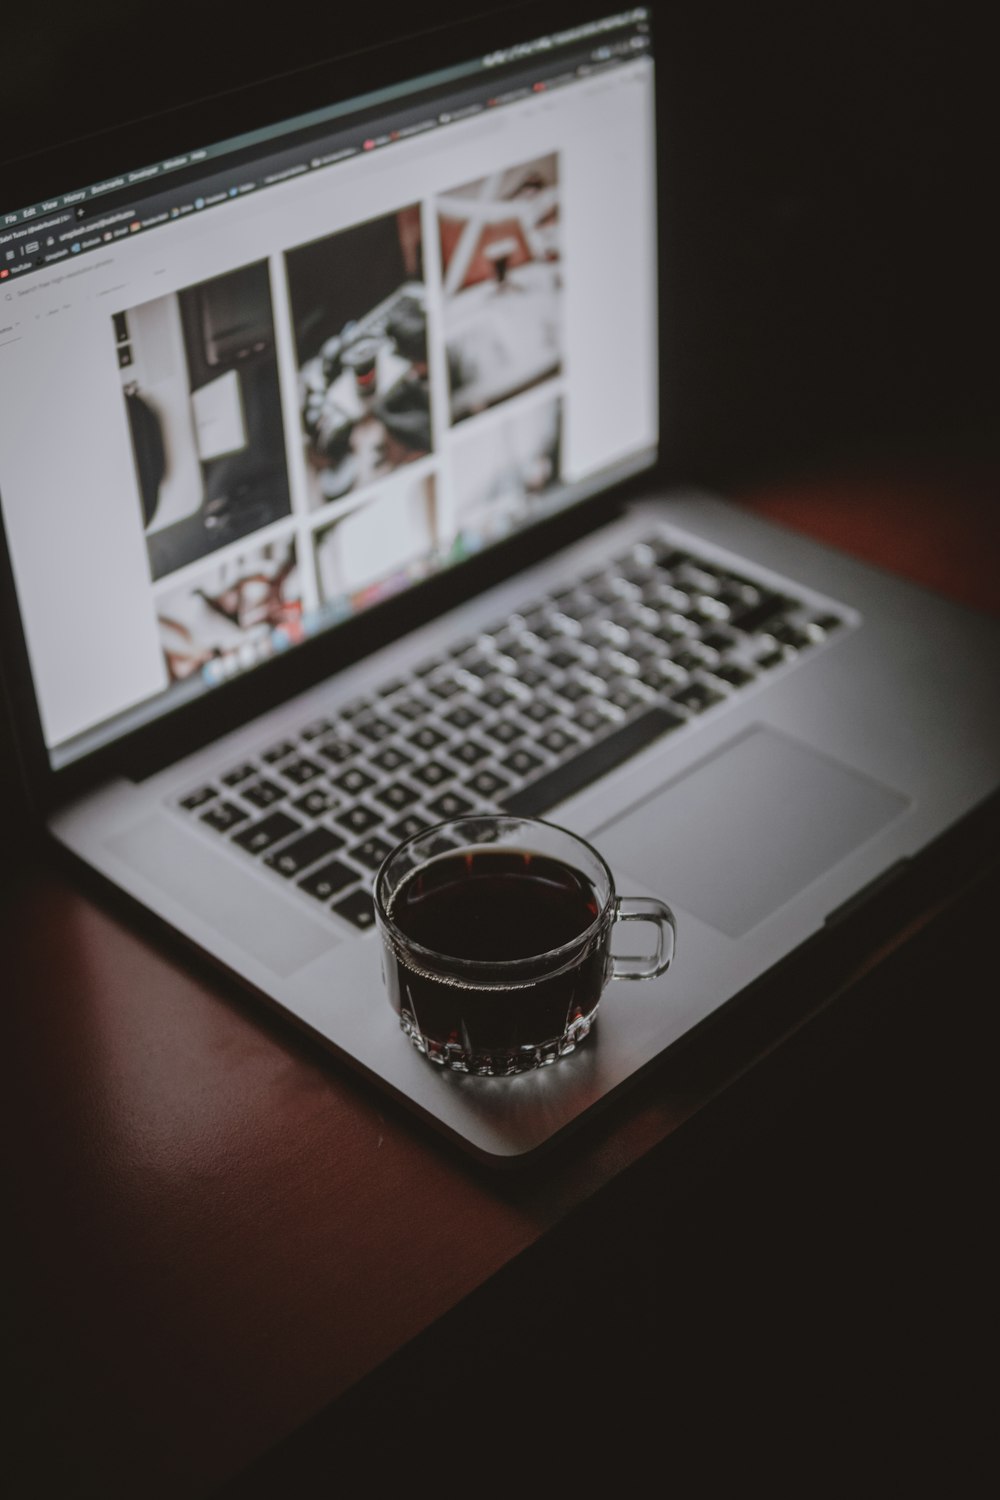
[(389, 688), (572, 690), (305, 851), (408, 826), (592, 719), (240, 773), (411, 708), (198, 798), (693, 657), (223, 816), (488, 783), (706, 607), (718, 640), (737, 596), (301, 772), (358, 908), (433, 773), (338, 751), (601, 674), (445, 687), (623, 698), (772, 657), (451, 805), (697, 576), (316, 729), (535, 619), (397, 796), (279, 751), (538, 711), (427, 667), (672, 628), (263, 794), (329, 879), (640, 617), (317, 801), (391, 758), (661, 673), (598, 759), (354, 780), (497, 696), (478, 666), (463, 717), (757, 617), (371, 852), (270, 830), (374, 729), (354, 708), (521, 762), (359, 818), (734, 674), (505, 731), (791, 635), (697, 696), (469, 752), (623, 664), (557, 741), (427, 738)]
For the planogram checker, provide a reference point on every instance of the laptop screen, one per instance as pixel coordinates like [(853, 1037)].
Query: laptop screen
[(253, 389)]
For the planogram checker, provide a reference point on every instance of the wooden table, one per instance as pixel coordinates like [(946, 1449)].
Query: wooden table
[(234, 1264)]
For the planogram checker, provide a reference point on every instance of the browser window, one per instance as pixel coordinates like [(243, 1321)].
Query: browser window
[(254, 390)]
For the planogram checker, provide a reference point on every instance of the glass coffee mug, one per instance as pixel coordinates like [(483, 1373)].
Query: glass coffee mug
[(496, 940)]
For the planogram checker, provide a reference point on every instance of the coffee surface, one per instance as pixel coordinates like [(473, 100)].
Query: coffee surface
[(492, 905)]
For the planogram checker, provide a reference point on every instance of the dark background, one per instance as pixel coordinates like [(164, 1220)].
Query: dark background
[(808, 1298)]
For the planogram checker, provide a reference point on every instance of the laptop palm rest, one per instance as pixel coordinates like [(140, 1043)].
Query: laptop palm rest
[(230, 900), (737, 836)]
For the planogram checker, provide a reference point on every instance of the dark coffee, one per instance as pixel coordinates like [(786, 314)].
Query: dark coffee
[(488, 907)]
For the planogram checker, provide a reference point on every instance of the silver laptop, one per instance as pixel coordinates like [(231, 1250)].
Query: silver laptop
[(328, 471)]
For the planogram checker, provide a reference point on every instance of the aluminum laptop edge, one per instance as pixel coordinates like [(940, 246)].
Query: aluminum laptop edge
[(323, 371)]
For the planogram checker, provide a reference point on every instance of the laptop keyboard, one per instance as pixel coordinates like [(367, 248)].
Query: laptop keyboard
[(518, 718)]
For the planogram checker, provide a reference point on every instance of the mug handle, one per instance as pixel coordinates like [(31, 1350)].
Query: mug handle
[(645, 909)]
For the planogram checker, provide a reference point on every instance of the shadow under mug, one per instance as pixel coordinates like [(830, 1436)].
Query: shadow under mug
[(496, 940)]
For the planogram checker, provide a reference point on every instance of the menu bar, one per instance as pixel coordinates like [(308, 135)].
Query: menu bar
[(30, 236)]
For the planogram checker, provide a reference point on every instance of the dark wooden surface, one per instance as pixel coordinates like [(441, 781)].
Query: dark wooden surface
[(229, 1262)]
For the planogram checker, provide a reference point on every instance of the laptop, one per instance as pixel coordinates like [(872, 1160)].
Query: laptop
[(331, 501)]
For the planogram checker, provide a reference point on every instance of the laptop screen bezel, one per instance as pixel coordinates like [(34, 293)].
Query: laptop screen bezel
[(129, 147)]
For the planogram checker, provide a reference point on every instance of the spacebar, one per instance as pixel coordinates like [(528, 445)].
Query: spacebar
[(564, 780)]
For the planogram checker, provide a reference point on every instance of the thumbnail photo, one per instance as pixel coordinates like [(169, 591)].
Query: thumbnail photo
[(385, 542), (200, 382), (502, 474), (359, 314), (500, 259), (239, 611)]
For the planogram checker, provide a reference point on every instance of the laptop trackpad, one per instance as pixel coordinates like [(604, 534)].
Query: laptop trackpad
[(740, 834)]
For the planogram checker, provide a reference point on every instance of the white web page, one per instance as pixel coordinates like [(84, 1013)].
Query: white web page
[(512, 259)]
